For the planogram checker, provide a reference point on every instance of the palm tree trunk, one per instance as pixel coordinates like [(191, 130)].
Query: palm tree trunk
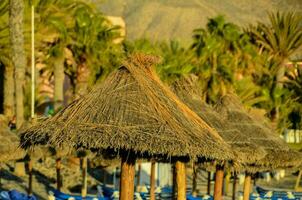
[(281, 73), (9, 91), (83, 74), (59, 81), (279, 84), (16, 11)]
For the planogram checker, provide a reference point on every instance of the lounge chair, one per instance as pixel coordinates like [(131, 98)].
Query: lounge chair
[(278, 194), (16, 195), (62, 196)]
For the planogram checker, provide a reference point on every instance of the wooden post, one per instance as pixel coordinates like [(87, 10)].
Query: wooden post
[(298, 180), (30, 177), (209, 184), (255, 181), (227, 183), (174, 187), (152, 181), (234, 186), (84, 177), (180, 169), (127, 178), (58, 169), (114, 178), (0, 175), (138, 178), (246, 187), (194, 181), (218, 183)]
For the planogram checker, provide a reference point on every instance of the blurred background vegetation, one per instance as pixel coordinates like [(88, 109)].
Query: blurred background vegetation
[(76, 46)]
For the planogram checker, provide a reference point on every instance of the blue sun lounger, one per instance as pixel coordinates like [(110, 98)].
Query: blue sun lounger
[(63, 196), (276, 194), (16, 195)]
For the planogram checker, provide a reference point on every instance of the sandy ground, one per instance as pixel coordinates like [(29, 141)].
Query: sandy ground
[(44, 179)]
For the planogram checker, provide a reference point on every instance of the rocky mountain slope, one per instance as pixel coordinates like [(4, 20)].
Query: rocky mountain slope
[(175, 19)]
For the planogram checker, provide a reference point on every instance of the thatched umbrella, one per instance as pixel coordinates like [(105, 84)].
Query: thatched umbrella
[(134, 114), (38, 152), (279, 155), (189, 91)]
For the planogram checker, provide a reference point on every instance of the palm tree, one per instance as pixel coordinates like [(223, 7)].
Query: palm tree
[(216, 49), (277, 41), (176, 61), (281, 39), (293, 83), (55, 19), (93, 37), (6, 62), (16, 11)]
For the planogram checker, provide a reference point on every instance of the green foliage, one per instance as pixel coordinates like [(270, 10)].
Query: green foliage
[(222, 51), (177, 61), (281, 37), (93, 42), (277, 41), (249, 93), (293, 83), (225, 58)]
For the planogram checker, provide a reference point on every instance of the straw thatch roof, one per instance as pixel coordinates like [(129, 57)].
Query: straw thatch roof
[(9, 146), (189, 91), (278, 152), (131, 110)]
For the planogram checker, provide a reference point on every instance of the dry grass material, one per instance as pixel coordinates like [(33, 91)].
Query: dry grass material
[(9, 146), (188, 90), (131, 110), (279, 154)]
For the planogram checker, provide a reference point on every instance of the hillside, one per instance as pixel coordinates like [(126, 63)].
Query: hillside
[(175, 19)]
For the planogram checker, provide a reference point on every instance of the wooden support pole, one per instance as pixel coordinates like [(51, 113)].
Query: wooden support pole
[(127, 178), (209, 184), (218, 183), (194, 181), (247, 186), (114, 178), (174, 186), (255, 181), (234, 186), (58, 170), (30, 177), (298, 180), (84, 177), (138, 177), (0, 175), (180, 169), (152, 181), (227, 183)]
